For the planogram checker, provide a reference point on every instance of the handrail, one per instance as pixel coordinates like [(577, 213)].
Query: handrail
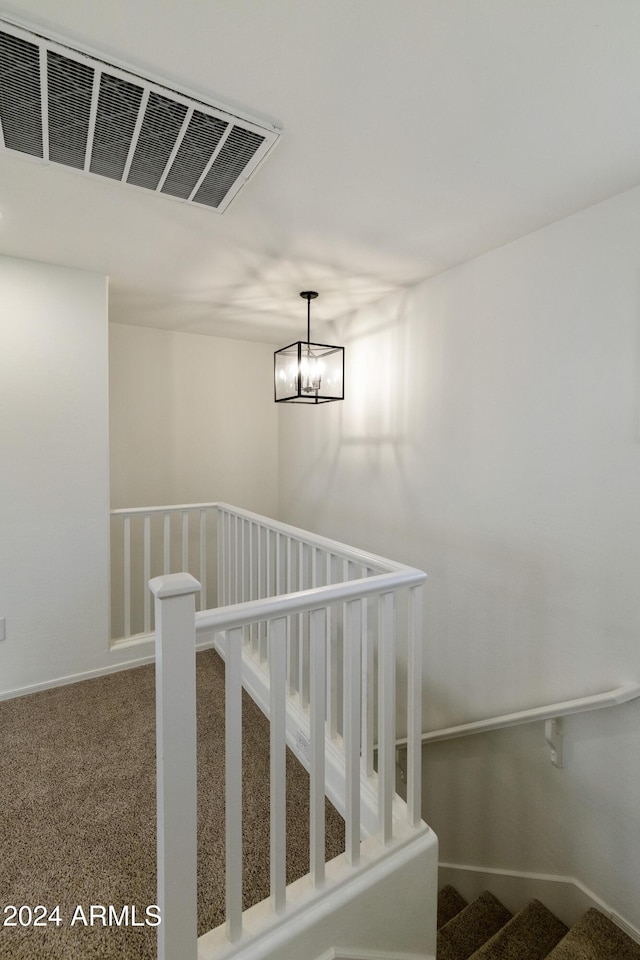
[(132, 511), (268, 608), (610, 698)]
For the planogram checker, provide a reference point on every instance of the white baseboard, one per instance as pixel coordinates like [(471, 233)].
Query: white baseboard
[(76, 677), (146, 655), (337, 953), (567, 897)]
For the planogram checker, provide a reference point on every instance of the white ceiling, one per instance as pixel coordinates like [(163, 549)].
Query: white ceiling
[(417, 134)]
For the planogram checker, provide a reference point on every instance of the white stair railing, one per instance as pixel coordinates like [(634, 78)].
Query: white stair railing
[(318, 621), (147, 542)]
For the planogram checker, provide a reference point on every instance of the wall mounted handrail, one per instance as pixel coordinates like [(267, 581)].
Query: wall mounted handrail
[(552, 711)]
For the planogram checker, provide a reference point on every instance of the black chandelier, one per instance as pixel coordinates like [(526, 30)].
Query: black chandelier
[(306, 372)]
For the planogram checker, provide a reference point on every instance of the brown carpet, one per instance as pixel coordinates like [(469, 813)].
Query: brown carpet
[(77, 795), (595, 937), (471, 927), (534, 933), (450, 903)]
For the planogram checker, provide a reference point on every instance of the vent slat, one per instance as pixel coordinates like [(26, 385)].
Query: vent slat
[(201, 139), (20, 102), (62, 105), (161, 125), (118, 105), (70, 87), (240, 147)]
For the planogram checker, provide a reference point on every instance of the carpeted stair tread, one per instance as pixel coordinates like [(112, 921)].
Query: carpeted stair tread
[(450, 903), (595, 937), (530, 935), (471, 928)]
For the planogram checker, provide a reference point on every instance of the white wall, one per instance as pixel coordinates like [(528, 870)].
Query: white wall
[(189, 422), (490, 435), (192, 419), (54, 481)]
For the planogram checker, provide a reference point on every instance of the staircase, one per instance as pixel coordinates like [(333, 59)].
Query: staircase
[(485, 930), (309, 628)]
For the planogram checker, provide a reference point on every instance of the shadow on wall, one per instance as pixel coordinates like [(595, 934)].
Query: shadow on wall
[(394, 468), (377, 377), (366, 434), (343, 457)]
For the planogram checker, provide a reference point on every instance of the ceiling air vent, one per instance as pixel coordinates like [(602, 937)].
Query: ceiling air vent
[(65, 106)]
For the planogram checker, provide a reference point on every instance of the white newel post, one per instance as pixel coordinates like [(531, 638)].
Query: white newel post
[(176, 764)]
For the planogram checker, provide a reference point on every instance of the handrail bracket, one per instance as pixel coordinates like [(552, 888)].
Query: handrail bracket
[(554, 736)]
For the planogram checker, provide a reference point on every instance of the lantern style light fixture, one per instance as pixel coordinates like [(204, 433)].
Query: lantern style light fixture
[(306, 372)]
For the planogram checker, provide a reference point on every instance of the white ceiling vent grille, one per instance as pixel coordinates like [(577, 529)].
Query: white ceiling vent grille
[(64, 106)]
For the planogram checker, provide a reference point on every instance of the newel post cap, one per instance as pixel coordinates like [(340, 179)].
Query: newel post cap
[(173, 585)]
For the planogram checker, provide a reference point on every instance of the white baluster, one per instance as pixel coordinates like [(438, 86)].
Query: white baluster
[(185, 540), (386, 714), (303, 628), (368, 687), (264, 645), (147, 573), (414, 708), (252, 596), (351, 727), (236, 548), (292, 647), (228, 599), (167, 544), (233, 783), (127, 576), (203, 560), (261, 626), (268, 566), (220, 558), (317, 642), (243, 561), (260, 591), (332, 658), (277, 693)]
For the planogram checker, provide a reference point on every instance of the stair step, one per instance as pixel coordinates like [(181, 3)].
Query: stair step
[(450, 903), (472, 927), (595, 937), (530, 935)]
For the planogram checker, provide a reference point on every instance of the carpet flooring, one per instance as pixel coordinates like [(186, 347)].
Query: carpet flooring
[(77, 795), (485, 930)]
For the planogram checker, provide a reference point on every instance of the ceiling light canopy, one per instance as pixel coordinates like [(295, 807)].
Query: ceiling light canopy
[(306, 372)]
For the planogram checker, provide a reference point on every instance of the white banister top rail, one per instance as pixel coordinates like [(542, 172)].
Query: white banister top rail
[(143, 511), (552, 711), (238, 614), (342, 550)]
